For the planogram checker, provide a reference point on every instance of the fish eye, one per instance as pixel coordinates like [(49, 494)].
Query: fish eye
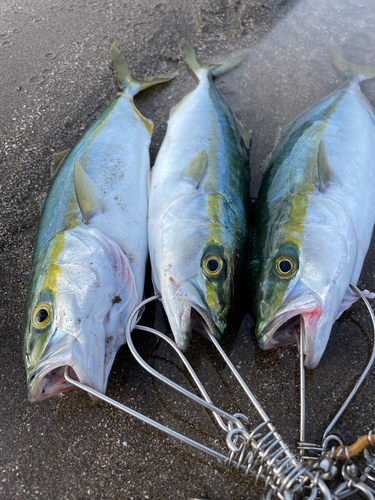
[(41, 316), (212, 265), (286, 266)]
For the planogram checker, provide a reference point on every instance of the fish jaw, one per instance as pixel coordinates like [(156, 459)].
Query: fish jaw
[(94, 295), (186, 309), (283, 328), (47, 378), (85, 365)]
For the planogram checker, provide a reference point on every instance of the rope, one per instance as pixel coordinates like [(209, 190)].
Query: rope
[(355, 448)]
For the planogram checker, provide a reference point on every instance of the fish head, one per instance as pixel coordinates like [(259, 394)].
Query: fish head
[(194, 273), (302, 270), (81, 292)]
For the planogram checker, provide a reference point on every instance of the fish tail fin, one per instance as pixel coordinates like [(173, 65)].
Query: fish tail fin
[(351, 71), (126, 81), (202, 69)]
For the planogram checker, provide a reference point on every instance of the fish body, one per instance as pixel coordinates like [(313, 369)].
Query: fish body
[(314, 218), (90, 254), (198, 208)]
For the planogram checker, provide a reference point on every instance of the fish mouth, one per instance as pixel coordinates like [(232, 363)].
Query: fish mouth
[(284, 328), (47, 382), (47, 377), (193, 317), (186, 310)]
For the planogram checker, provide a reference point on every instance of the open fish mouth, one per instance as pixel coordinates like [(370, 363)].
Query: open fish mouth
[(49, 381), (284, 328), (195, 318), (187, 310), (203, 323)]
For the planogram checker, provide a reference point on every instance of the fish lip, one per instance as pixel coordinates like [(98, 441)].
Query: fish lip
[(310, 310)]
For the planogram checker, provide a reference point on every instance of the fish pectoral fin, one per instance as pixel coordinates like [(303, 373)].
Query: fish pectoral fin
[(196, 169), (246, 134), (325, 171), (351, 297), (89, 200), (57, 160)]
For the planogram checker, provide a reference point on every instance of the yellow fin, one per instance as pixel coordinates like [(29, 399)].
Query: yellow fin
[(350, 70), (246, 134), (149, 124), (127, 81), (325, 171), (89, 200), (196, 169), (202, 69)]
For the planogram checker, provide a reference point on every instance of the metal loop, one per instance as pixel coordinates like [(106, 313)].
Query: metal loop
[(367, 369), (262, 453)]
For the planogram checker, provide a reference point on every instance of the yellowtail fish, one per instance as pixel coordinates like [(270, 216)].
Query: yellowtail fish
[(314, 218), (198, 207), (90, 254)]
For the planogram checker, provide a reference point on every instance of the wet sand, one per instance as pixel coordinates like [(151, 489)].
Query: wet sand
[(55, 80)]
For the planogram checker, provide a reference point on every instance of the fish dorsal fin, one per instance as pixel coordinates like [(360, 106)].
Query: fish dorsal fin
[(196, 169), (57, 160), (246, 134), (41, 200), (325, 171), (89, 200)]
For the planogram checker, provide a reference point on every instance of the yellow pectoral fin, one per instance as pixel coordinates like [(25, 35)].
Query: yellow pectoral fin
[(89, 200), (326, 172), (196, 169)]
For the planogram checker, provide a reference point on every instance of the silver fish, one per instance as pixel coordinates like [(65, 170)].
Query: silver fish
[(314, 218), (90, 254), (198, 207)]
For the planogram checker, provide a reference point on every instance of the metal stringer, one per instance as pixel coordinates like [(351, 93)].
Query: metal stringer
[(262, 453)]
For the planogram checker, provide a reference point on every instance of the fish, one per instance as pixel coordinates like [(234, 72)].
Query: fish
[(314, 217), (198, 207), (90, 254)]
